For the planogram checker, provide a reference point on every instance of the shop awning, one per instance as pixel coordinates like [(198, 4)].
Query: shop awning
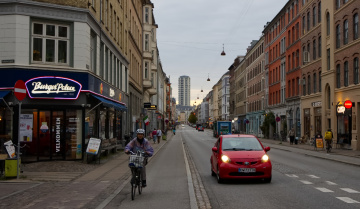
[(3, 94), (109, 103)]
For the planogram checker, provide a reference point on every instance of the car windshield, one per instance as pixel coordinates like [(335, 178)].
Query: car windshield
[(241, 143)]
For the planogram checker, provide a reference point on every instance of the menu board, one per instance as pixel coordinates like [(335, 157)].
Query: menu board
[(10, 149), (93, 146), (26, 127)]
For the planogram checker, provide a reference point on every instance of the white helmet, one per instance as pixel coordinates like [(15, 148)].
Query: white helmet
[(140, 131)]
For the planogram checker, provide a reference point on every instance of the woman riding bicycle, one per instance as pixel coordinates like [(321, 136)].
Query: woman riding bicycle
[(140, 144)]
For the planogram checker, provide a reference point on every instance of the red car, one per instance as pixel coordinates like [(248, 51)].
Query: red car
[(240, 157), (200, 128)]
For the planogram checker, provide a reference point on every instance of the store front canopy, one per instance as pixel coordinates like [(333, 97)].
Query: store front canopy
[(109, 103)]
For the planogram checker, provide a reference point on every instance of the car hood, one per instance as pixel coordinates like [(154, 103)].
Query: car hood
[(244, 154)]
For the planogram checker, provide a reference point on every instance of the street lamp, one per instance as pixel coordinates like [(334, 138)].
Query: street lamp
[(223, 52)]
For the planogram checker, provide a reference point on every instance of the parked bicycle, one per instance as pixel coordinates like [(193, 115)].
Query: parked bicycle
[(136, 164)]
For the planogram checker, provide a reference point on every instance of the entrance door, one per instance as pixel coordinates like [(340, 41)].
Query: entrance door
[(51, 135)]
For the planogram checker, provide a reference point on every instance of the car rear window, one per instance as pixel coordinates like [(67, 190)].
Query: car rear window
[(241, 143)]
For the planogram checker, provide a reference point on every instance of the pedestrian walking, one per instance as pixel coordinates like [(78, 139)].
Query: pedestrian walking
[(174, 130), (159, 134), (154, 135), (292, 135)]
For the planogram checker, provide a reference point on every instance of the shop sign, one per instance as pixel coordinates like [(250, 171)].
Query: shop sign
[(112, 92), (51, 87), (341, 109), (57, 135), (316, 104)]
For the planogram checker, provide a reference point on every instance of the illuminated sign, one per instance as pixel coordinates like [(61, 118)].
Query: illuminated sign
[(348, 104), (341, 109), (51, 87)]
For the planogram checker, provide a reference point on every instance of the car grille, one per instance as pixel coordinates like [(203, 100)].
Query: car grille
[(250, 163), (246, 174)]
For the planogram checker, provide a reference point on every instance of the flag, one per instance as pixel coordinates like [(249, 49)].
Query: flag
[(146, 120)]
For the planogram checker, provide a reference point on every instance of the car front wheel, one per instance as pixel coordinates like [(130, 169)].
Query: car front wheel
[(219, 180)]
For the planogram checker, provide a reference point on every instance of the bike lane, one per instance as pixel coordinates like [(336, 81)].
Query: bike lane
[(167, 180)]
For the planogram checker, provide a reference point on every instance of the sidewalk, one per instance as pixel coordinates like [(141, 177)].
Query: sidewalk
[(351, 157), (86, 180)]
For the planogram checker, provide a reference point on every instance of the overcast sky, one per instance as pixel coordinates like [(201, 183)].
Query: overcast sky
[(191, 35)]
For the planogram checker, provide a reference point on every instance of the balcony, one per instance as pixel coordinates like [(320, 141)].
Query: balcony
[(147, 84), (147, 55), (153, 67), (152, 91)]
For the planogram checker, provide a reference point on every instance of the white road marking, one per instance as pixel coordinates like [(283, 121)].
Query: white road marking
[(323, 189), (292, 175), (313, 176), (347, 200), (330, 183), (306, 182), (349, 190)]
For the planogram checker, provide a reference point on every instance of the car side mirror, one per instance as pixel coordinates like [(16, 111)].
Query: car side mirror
[(267, 149), (214, 149)]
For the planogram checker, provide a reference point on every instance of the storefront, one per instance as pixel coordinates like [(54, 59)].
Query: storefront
[(61, 112)]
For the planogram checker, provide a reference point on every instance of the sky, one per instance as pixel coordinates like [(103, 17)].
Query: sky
[(192, 34)]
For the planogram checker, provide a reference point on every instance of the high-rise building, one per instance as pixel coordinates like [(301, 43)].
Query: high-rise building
[(184, 90)]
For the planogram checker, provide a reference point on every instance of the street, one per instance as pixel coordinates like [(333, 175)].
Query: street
[(178, 176)]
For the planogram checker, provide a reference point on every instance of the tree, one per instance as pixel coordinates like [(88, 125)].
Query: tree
[(269, 121), (192, 118)]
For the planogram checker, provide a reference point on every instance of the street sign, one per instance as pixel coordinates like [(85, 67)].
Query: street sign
[(20, 90), (147, 105)]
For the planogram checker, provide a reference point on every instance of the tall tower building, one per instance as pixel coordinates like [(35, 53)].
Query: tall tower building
[(184, 90)]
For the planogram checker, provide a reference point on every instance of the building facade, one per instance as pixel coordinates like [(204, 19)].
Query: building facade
[(184, 90)]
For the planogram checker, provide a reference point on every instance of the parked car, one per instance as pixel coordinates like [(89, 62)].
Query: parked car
[(200, 128), (240, 157)]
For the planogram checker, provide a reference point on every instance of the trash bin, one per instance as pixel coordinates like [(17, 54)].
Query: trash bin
[(11, 167)]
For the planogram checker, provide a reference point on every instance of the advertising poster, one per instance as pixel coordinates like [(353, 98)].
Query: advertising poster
[(10, 149), (93, 146), (26, 127)]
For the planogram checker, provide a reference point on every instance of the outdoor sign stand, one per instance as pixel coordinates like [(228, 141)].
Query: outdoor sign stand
[(20, 94)]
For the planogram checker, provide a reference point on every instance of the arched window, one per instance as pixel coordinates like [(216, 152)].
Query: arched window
[(314, 49), (356, 70), (320, 81), (314, 16), (337, 4), (346, 32), (304, 86), (309, 84), (338, 76), (314, 80), (346, 73), (338, 36), (319, 46), (327, 23), (308, 21), (356, 26), (319, 12), (328, 100)]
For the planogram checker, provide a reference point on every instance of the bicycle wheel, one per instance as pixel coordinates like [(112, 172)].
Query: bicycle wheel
[(133, 191), (140, 181)]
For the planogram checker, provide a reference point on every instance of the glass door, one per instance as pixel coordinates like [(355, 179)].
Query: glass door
[(44, 142)]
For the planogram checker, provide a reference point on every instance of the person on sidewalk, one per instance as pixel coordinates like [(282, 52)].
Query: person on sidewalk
[(159, 134), (140, 144), (154, 133), (292, 135), (174, 130)]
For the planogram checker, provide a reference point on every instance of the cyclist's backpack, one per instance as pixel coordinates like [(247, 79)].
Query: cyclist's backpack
[(328, 135)]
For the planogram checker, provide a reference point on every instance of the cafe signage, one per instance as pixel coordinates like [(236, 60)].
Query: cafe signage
[(52, 87)]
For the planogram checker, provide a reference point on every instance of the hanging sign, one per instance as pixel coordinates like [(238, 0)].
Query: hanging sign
[(10, 149), (51, 87)]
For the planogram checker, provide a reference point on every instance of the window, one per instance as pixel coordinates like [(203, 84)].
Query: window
[(146, 42), (146, 73), (346, 31), (303, 24), (106, 12), (314, 49), (319, 12), (304, 86), (337, 4), (320, 81), (338, 76), (93, 37), (327, 23), (338, 36), (308, 21), (346, 73), (314, 16), (356, 26), (146, 14), (319, 46), (328, 58), (50, 43), (102, 53), (314, 85), (308, 49), (356, 70), (309, 85)]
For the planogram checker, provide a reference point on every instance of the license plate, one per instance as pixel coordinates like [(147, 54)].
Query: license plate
[(247, 170)]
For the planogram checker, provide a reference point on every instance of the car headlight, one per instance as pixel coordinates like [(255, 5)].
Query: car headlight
[(265, 158), (225, 158)]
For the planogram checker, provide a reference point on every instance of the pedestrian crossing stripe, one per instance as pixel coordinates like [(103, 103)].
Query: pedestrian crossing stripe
[(347, 200), (350, 190)]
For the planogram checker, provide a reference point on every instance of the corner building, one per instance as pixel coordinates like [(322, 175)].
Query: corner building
[(71, 57)]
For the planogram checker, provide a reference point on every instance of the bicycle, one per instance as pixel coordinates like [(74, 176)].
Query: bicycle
[(328, 146), (136, 163)]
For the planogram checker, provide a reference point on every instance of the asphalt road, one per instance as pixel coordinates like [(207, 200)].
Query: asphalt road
[(299, 181)]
